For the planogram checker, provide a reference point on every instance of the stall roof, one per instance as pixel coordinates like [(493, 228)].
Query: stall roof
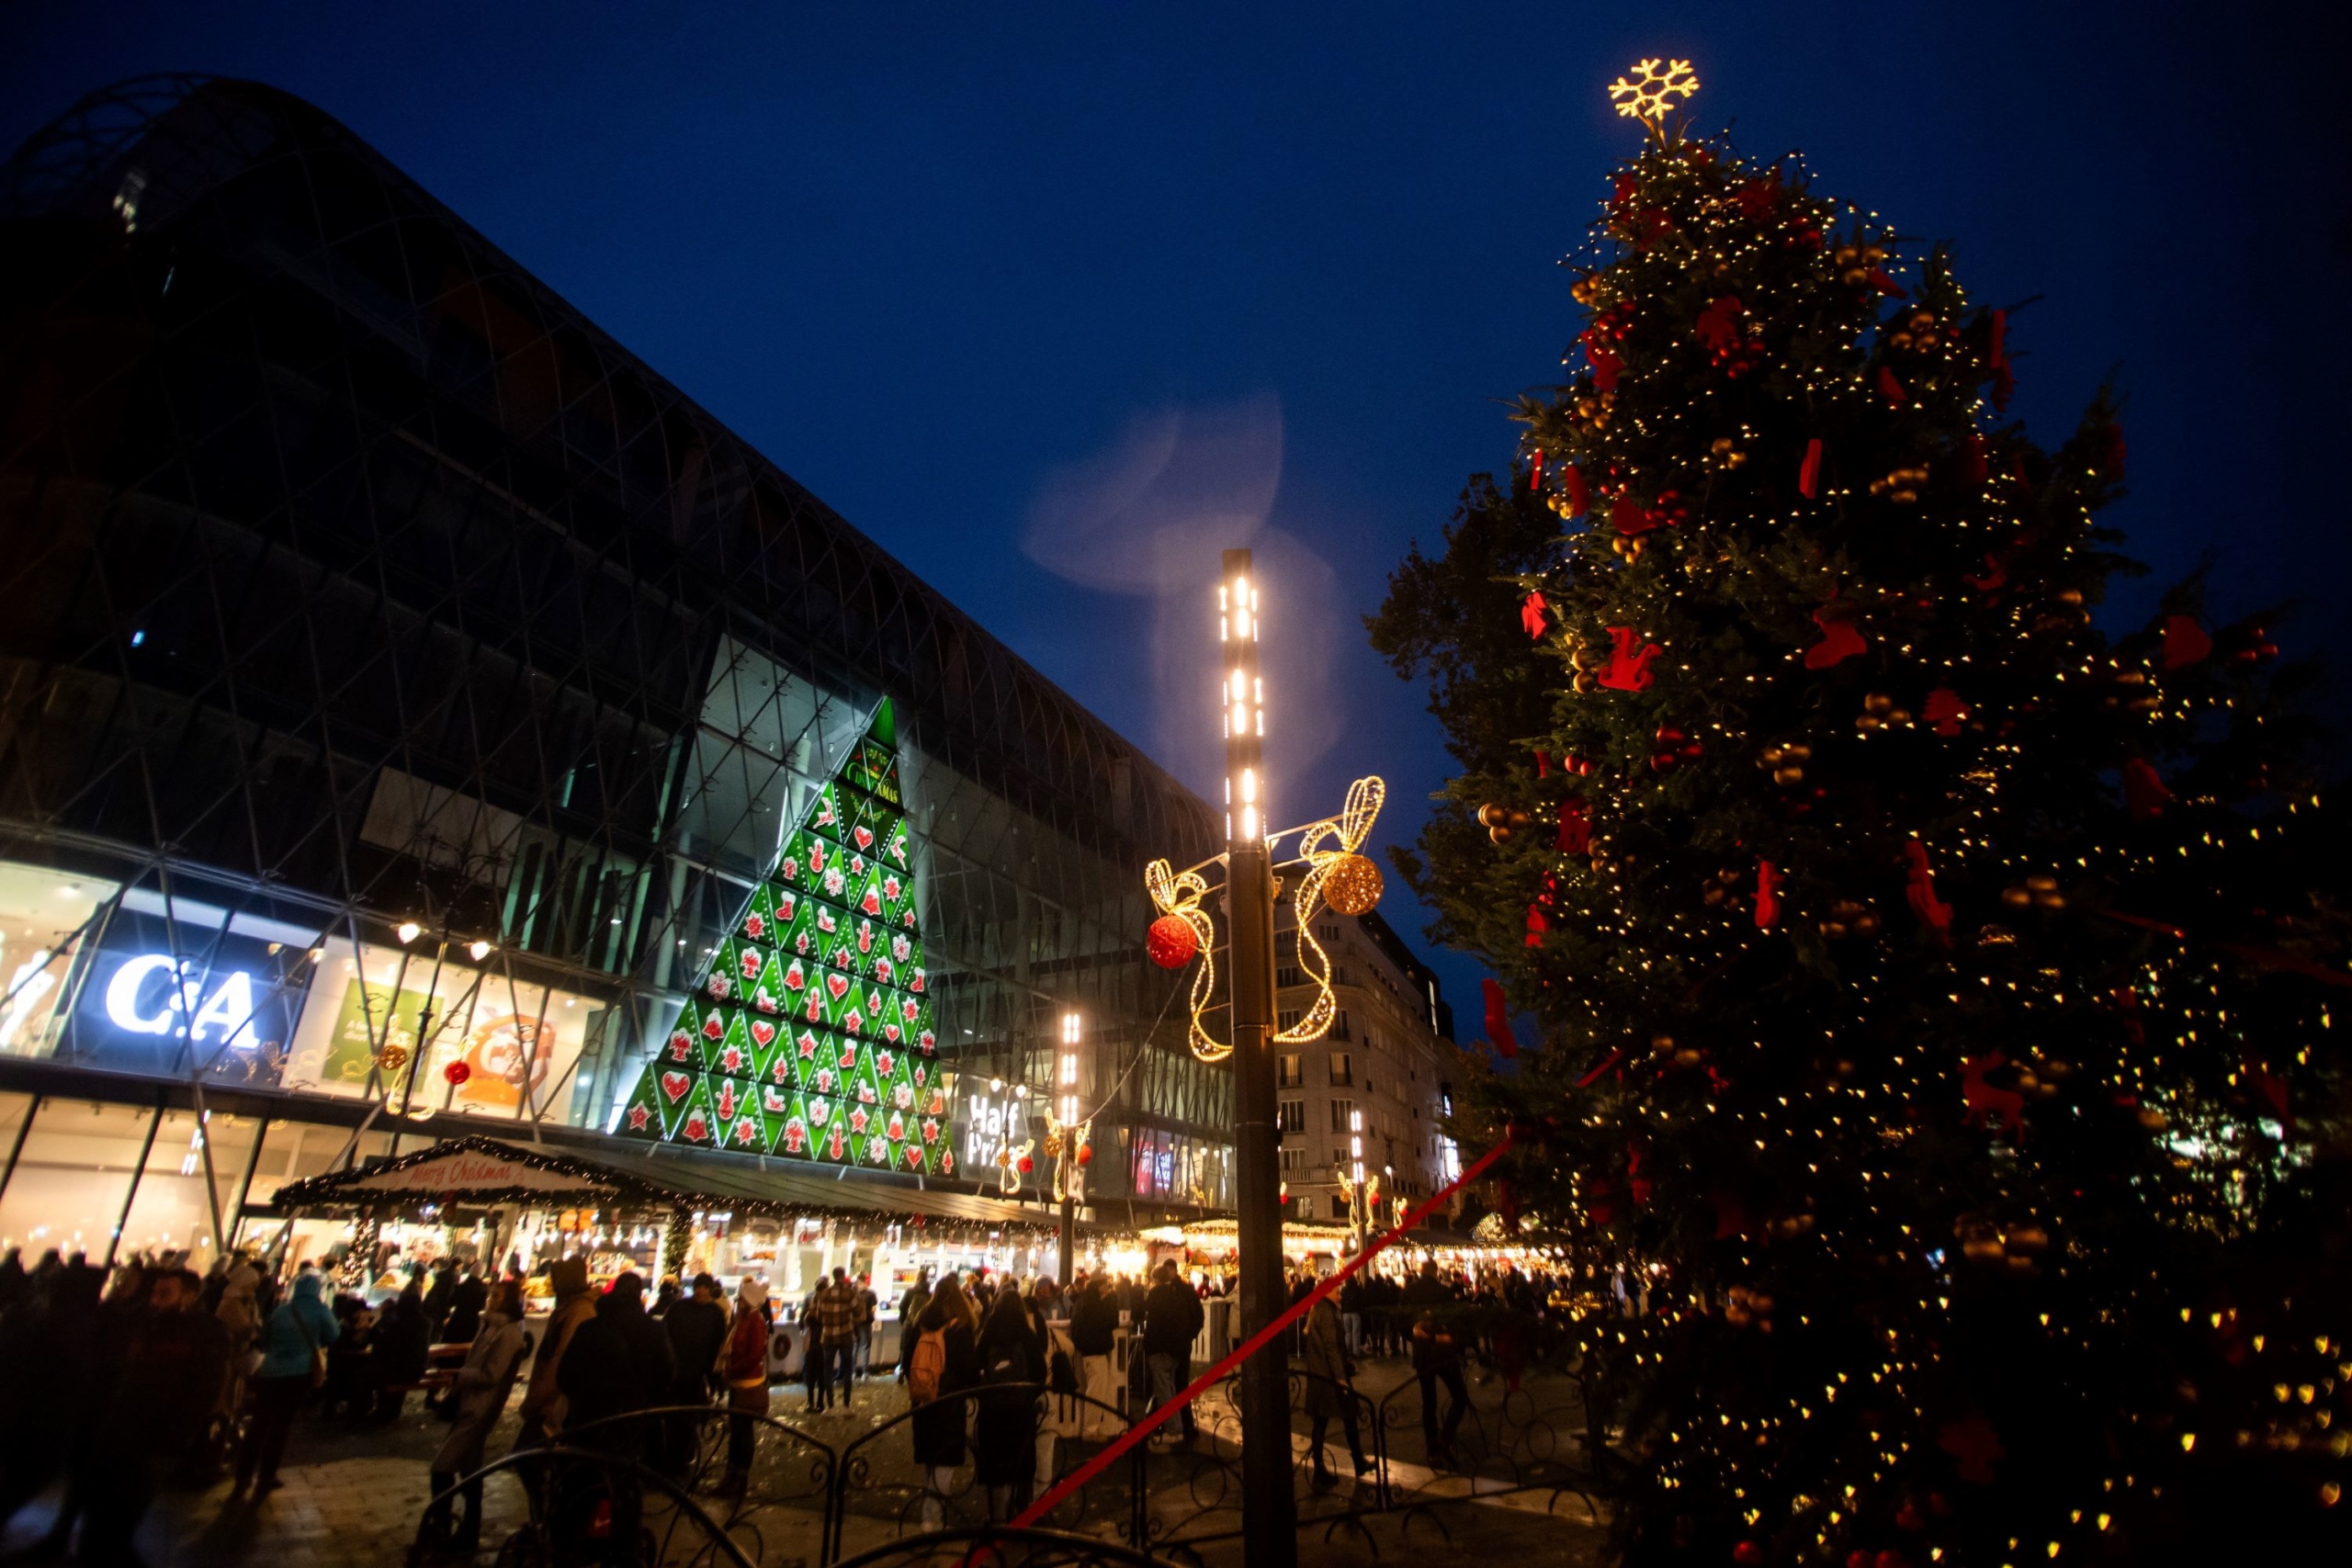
[(478, 1170)]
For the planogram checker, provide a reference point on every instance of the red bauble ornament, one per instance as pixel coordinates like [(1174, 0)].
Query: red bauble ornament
[(1171, 941), (457, 1073), (1027, 1165), (1085, 1155), (1747, 1551)]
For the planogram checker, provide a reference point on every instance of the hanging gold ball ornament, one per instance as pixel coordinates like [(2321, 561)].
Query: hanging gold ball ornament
[(393, 1057), (1352, 887)]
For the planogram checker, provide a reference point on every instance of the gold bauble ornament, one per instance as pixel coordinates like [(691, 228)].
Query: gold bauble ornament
[(1352, 887), (393, 1057)]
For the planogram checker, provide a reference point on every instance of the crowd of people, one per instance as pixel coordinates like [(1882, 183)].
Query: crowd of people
[(113, 1381)]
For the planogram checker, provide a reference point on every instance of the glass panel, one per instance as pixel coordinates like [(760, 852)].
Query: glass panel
[(75, 1171), (42, 913)]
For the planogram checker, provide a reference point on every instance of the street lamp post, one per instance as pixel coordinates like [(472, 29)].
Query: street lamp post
[(1066, 1103), (1269, 1517)]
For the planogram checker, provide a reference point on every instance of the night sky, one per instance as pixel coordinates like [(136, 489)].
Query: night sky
[(1056, 299)]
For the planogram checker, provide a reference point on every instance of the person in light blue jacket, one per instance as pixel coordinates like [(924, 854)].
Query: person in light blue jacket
[(290, 1343)]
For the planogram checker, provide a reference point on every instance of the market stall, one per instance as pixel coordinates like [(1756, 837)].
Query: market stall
[(513, 1208)]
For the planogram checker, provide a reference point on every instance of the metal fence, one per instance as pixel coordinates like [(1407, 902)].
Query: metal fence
[(1435, 1440)]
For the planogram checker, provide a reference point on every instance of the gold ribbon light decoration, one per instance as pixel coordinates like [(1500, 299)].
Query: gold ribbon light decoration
[(1337, 875)]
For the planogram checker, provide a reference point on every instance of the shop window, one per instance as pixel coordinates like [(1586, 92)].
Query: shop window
[(42, 915)]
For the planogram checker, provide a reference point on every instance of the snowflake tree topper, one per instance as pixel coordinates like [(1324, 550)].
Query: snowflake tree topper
[(1650, 90)]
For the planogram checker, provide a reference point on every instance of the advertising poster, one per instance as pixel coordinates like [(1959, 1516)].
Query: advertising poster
[(520, 1042)]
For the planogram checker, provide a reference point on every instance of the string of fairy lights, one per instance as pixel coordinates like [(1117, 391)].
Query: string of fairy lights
[(1699, 617)]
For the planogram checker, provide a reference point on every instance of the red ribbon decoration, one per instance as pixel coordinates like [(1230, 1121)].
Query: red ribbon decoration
[(1498, 1018)]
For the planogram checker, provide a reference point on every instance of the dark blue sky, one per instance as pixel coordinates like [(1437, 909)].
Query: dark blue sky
[(1011, 285)]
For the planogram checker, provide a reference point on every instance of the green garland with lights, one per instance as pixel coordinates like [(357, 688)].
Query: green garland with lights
[(1952, 979)]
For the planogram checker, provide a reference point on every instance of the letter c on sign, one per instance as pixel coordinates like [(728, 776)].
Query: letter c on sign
[(122, 994)]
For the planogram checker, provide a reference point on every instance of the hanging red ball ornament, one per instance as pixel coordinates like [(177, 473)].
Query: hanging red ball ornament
[(1085, 1155), (457, 1073), (1171, 941), (1027, 1165)]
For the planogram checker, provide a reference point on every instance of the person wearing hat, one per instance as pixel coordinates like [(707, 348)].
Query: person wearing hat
[(743, 1367)]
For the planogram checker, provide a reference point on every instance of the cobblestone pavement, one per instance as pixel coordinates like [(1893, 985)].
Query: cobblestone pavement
[(352, 1493)]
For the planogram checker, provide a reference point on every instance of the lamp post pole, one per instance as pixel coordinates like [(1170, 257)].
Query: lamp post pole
[(1066, 1113), (1269, 1518)]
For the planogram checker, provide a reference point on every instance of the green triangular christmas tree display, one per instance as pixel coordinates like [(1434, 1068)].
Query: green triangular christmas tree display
[(810, 1034)]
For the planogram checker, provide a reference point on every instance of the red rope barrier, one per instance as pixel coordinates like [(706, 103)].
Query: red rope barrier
[(1151, 1423)]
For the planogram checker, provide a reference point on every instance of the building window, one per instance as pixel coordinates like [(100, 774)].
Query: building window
[(1341, 1110), (1342, 1068), (1287, 1020), (1340, 1026), (1294, 1161), (1291, 1117), (1288, 975), (1339, 1207), (1328, 933), (1285, 944), (1291, 1076)]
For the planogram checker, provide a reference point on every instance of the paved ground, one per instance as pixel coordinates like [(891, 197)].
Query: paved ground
[(352, 1495)]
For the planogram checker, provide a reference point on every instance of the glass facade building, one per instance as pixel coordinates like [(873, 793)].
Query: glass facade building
[(395, 673)]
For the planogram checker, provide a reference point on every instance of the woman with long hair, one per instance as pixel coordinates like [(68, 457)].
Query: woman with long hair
[(1004, 1436), (945, 1362)]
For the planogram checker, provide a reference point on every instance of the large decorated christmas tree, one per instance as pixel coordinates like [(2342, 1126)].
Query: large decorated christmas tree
[(810, 1032), (1935, 986)]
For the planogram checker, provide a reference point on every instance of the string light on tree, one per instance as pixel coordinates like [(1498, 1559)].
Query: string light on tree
[(1951, 976)]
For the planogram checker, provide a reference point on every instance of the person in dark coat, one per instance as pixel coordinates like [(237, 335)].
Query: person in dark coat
[(466, 1304), (172, 1360), (696, 1327), (49, 1359), (1172, 1316), (401, 1342), (439, 1300), (618, 1361), (1004, 1434), (937, 1427), (1437, 1358)]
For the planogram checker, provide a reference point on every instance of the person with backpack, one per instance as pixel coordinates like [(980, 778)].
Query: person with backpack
[(478, 1397), (1172, 1316), (910, 1307), (946, 1362), (293, 1362), (1004, 1434), (743, 1367)]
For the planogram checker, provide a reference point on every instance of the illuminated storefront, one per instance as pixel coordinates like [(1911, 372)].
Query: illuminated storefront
[(407, 697)]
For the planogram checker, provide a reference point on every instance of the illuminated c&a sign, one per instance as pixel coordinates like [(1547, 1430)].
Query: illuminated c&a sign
[(153, 993)]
